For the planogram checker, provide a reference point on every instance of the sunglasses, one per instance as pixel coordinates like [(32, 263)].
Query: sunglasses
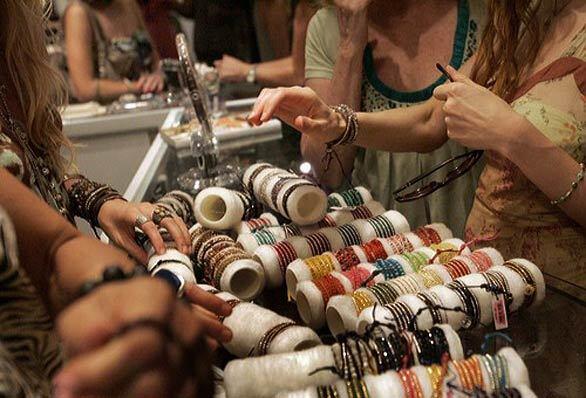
[(460, 164)]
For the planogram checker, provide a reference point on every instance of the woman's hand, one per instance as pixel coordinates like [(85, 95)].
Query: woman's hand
[(151, 83), (117, 219), (353, 23), (301, 108), (112, 351), (232, 69), (477, 118)]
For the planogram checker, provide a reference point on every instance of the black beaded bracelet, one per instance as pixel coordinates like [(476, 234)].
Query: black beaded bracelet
[(110, 274)]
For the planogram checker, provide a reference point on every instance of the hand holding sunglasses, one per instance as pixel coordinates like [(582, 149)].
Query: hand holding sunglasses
[(458, 165)]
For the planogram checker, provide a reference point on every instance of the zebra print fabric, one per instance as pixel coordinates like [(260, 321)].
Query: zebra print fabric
[(29, 349)]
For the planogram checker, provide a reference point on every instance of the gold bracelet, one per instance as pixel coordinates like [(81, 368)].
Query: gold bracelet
[(564, 197)]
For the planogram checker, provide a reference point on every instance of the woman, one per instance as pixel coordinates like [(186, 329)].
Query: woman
[(112, 336), (531, 193), (285, 71), (375, 55), (31, 139), (109, 50)]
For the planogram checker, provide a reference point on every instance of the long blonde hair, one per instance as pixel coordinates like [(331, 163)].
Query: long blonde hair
[(40, 88)]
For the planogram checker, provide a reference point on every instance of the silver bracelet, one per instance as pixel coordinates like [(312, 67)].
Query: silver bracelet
[(564, 197)]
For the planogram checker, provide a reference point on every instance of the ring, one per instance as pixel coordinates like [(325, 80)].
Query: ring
[(159, 214), (140, 220)]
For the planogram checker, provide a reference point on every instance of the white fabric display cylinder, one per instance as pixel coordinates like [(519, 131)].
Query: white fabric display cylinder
[(218, 209), (266, 376), (298, 271), (173, 261), (244, 278), (483, 296), (249, 322), (310, 301), (341, 313)]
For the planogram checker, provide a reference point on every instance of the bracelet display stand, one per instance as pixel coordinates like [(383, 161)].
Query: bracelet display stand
[(352, 197), (267, 376), (249, 323), (271, 235), (276, 258), (395, 384), (242, 277), (175, 263), (218, 208), (341, 311), (449, 299), (292, 196)]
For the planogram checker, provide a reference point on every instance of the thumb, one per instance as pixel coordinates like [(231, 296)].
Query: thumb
[(309, 125), (458, 76)]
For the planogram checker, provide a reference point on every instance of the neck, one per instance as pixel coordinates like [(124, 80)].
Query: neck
[(384, 12)]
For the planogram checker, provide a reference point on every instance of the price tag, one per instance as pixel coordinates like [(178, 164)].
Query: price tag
[(499, 312)]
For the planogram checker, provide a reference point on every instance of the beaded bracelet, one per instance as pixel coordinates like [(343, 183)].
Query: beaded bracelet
[(573, 186), (347, 258), (357, 276), (110, 274), (329, 286), (417, 260), (390, 268), (374, 250), (428, 235)]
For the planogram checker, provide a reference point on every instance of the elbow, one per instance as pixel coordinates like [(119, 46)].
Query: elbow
[(85, 92)]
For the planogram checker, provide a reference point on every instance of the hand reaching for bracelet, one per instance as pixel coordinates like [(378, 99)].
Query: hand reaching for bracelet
[(301, 108), (118, 219), (132, 338)]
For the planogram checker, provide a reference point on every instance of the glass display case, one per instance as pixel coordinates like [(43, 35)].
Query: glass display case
[(550, 338)]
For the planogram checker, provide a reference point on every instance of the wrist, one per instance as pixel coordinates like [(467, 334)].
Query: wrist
[(107, 208), (515, 138)]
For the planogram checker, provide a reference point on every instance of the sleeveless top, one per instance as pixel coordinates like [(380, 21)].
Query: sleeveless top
[(30, 353), (119, 58), (508, 203), (383, 172)]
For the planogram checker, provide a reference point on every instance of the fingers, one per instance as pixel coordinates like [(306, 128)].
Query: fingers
[(207, 300), (178, 232), (272, 102), (458, 76), (112, 367), (128, 243), (258, 108), (152, 232), (211, 326)]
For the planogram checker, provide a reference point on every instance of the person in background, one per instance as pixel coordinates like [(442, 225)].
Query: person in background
[(375, 55), (126, 337), (109, 50), (161, 25), (221, 27), (285, 71), (528, 114), (32, 140)]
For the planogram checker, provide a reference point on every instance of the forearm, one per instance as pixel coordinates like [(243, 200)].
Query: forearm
[(280, 72), (55, 256), (419, 128), (102, 89), (549, 167), (346, 84)]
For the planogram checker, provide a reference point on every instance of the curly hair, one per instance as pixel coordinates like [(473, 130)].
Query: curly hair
[(511, 41), (40, 88)]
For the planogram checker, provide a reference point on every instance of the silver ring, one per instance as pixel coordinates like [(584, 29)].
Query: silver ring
[(140, 220)]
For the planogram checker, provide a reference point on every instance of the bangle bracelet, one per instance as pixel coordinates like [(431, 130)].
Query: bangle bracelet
[(564, 197)]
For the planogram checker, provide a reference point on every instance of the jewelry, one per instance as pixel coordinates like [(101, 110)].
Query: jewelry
[(361, 300), (350, 234), (374, 250), (347, 257), (357, 276), (329, 286), (428, 235), (286, 254), (159, 214), (318, 243), (578, 180), (263, 345), (530, 284), (140, 220), (319, 266)]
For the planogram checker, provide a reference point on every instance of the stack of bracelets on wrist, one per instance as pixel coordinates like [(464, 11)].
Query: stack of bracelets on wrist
[(110, 274), (351, 131), (87, 197), (530, 284), (470, 302)]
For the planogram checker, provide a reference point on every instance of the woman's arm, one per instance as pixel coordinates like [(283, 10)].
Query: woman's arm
[(345, 86), (79, 44), (55, 256)]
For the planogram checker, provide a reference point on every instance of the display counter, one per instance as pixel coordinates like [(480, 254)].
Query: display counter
[(549, 338)]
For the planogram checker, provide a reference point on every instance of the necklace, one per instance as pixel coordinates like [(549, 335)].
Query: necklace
[(43, 178)]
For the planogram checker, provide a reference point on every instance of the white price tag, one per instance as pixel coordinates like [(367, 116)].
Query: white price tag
[(499, 312)]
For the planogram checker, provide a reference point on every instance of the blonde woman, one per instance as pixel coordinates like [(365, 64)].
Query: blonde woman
[(31, 139), (531, 122)]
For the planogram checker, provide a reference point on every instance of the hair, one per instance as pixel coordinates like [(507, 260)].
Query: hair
[(40, 88), (511, 41)]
